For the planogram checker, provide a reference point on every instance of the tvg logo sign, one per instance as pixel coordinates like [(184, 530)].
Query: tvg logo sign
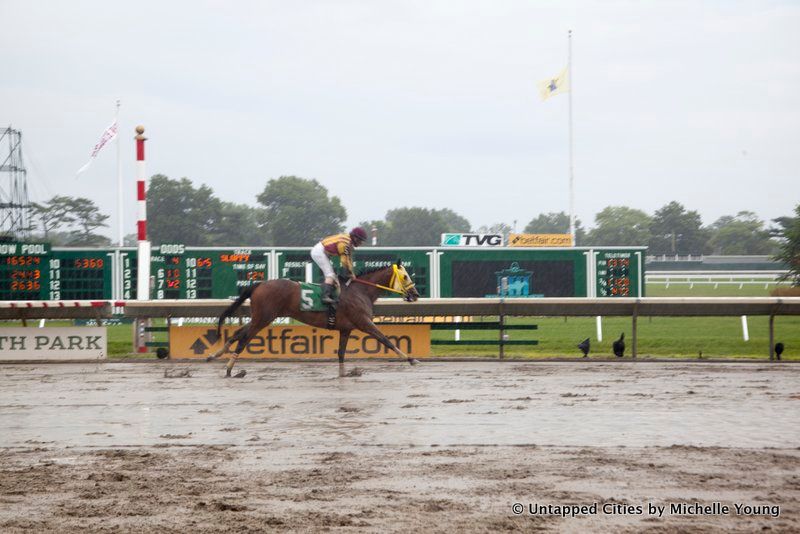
[(472, 240), (492, 240), (452, 240)]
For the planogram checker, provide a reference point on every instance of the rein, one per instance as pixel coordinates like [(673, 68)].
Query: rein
[(395, 276), (360, 281)]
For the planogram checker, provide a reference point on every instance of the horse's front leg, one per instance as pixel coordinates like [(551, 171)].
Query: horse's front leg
[(372, 330), (344, 335)]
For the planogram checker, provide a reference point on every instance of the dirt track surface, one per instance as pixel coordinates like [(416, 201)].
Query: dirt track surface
[(438, 447)]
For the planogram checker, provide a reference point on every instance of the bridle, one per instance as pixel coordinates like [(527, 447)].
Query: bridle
[(395, 280)]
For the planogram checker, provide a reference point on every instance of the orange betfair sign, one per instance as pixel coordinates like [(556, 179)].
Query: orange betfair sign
[(300, 342), (539, 240)]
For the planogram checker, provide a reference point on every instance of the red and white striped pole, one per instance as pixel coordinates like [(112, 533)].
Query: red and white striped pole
[(143, 276)]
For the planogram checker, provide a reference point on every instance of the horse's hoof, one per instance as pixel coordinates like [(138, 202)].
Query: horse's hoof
[(412, 361), (240, 374), (211, 358)]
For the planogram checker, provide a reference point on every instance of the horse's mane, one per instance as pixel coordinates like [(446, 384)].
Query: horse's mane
[(363, 272)]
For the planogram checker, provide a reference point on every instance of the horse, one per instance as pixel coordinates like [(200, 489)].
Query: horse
[(281, 298)]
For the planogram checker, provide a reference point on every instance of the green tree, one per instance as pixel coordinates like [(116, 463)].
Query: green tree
[(52, 214), (620, 225), (70, 221), (417, 226), (788, 232), (496, 228), (237, 224), (414, 227), (86, 218), (677, 231), (556, 223), (130, 240), (299, 212), (380, 231), (180, 213), (453, 221), (743, 233)]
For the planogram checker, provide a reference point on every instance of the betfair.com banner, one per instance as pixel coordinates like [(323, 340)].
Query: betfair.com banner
[(539, 240), (300, 342)]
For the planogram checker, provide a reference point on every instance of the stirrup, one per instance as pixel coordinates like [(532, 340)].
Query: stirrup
[(328, 296), (331, 322)]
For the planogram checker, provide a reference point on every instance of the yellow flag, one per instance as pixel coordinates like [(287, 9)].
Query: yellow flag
[(554, 86)]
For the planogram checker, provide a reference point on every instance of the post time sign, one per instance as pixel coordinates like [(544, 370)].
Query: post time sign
[(184, 273)]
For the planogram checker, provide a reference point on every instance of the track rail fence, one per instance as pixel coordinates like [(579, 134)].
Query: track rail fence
[(715, 278), (502, 308)]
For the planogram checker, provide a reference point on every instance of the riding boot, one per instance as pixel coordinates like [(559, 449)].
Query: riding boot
[(327, 294)]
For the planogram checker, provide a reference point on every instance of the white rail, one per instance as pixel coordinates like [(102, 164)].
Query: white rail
[(740, 278), (523, 307)]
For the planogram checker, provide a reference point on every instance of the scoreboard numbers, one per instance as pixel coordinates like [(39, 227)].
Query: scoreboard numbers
[(129, 270), (184, 273), (23, 270), (80, 275), (614, 274)]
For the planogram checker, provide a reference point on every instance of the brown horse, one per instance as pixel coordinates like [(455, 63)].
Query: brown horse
[(281, 298)]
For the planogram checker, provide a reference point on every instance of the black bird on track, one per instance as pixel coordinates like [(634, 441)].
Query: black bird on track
[(619, 346), (778, 350), (584, 346)]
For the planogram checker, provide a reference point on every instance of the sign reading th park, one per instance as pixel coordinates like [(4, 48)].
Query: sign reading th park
[(67, 343)]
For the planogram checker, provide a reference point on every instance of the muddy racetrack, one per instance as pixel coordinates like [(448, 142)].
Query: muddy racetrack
[(438, 447)]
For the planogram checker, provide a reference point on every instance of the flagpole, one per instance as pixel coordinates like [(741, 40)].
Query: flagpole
[(120, 225), (571, 175)]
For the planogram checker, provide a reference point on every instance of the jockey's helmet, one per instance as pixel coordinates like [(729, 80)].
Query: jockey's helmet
[(358, 234)]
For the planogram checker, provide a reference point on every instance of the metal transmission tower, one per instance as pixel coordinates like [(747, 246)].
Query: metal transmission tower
[(14, 204)]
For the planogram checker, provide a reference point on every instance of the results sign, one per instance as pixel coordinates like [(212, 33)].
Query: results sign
[(79, 343)]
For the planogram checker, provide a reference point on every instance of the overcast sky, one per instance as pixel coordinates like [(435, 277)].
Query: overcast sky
[(415, 103)]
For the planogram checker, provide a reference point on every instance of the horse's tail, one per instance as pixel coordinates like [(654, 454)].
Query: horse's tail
[(233, 307)]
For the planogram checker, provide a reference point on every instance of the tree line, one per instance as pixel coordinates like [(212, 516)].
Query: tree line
[(294, 211), (68, 221)]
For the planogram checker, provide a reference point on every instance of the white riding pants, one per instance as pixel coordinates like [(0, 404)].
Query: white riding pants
[(324, 263)]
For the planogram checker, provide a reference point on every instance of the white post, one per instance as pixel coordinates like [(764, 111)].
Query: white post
[(143, 282), (745, 333), (141, 337), (599, 328), (571, 175), (309, 272), (120, 225)]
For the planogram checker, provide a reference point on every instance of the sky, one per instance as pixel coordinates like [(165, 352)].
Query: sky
[(414, 103)]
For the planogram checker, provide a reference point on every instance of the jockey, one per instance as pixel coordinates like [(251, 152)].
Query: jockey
[(341, 245)]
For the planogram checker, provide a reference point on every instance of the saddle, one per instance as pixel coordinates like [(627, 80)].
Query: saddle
[(311, 300)]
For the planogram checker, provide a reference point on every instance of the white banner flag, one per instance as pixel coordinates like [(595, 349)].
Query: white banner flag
[(109, 134)]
